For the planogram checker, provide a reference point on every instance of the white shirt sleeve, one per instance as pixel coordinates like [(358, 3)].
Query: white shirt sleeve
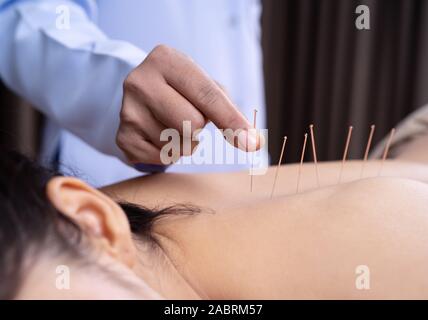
[(73, 75)]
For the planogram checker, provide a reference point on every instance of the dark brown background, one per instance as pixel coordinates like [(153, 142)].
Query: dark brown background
[(319, 69)]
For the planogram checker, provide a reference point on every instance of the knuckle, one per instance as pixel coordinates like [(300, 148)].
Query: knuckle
[(162, 49), (126, 117), (160, 53), (184, 80), (208, 95), (138, 88), (132, 82), (198, 122), (120, 140)]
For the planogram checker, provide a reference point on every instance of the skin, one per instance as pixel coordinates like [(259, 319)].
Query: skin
[(293, 246), (309, 246), (166, 89), (296, 228)]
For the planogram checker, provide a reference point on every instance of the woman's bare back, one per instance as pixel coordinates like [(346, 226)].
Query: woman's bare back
[(310, 245)]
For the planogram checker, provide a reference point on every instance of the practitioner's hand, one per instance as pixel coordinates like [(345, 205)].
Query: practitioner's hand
[(166, 89)]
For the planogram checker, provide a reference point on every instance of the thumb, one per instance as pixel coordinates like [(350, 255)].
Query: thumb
[(245, 135)]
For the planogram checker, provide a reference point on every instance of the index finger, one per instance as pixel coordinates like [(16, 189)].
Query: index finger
[(193, 83)]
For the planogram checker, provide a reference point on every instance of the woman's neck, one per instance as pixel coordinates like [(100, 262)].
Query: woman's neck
[(157, 269)]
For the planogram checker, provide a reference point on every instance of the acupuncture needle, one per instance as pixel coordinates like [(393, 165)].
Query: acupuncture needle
[(302, 157), (366, 153), (279, 165), (345, 153), (314, 152), (252, 155)]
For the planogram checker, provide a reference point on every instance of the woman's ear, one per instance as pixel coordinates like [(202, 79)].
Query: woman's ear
[(99, 217)]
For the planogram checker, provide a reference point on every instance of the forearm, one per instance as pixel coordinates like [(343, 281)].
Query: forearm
[(74, 76)]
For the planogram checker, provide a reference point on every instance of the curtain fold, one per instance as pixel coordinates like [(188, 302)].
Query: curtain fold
[(20, 124), (320, 69)]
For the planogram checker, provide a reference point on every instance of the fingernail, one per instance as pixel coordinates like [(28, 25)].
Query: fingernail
[(248, 140)]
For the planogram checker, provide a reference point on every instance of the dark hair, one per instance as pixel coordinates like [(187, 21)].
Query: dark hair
[(29, 222)]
